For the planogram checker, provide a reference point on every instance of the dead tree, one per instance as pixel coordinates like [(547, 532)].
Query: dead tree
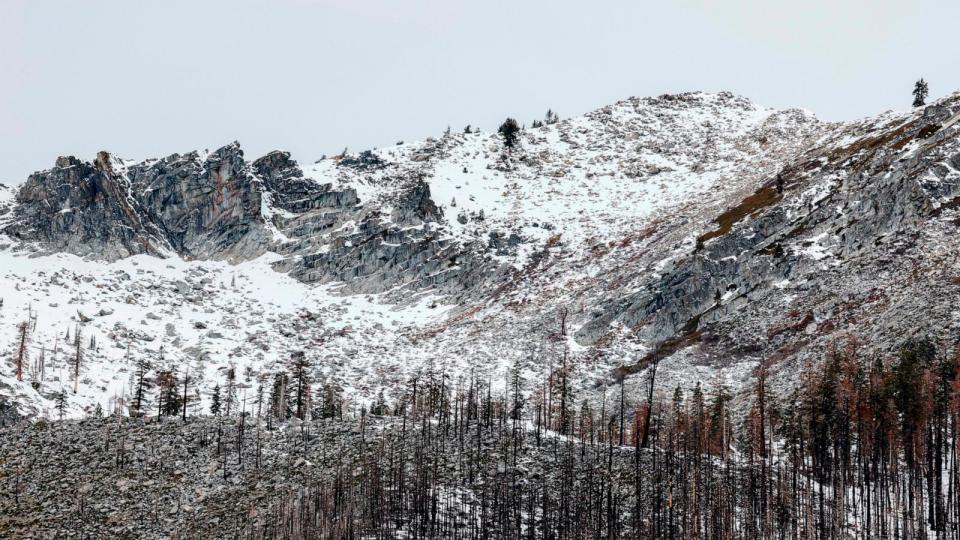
[(646, 421), (20, 357), (186, 382)]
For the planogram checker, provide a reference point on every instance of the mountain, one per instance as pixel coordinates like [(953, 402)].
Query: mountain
[(701, 231)]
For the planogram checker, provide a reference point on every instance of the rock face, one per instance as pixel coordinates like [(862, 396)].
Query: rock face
[(284, 179), (405, 248), (834, 226), (222, 207), (209, 208), (86, 209)]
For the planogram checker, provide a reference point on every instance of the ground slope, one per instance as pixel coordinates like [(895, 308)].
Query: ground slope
[(700, 229)]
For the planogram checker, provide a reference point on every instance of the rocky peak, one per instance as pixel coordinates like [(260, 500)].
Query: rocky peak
[(67, 161), (85, 209), (291, 191)]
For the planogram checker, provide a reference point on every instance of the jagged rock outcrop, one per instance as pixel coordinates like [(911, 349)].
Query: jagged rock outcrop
[(199, 208), (86, 209), (415, 206), (406, 248), (291, 191), (219, 206), (210, 208)]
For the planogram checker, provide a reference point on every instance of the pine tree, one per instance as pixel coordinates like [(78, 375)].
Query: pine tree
[(184, 400), (652, 372), (215, 401), (280, 397), (300, 368), (509, 129), (564, 398), (231, 390), (920, 92), (330, 402), (60, 402), (721, 430), (141, 385), (77, 358), (379, 407), (168, 400)]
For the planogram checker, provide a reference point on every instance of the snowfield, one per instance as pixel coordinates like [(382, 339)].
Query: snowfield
[(201, 317)]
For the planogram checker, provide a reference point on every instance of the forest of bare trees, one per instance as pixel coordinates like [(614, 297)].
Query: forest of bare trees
[(864, 448)]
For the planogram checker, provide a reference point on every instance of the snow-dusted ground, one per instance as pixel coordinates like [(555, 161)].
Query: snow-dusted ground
[(589, 178), (198, 316), (626, 187)]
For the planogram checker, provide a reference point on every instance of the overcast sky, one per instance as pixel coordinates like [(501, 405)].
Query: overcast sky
[(146, 79)]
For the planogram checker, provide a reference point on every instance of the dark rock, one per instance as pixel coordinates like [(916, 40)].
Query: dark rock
[(366, 161)]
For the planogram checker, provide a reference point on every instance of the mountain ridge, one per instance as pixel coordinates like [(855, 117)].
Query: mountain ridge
[(699, 230)]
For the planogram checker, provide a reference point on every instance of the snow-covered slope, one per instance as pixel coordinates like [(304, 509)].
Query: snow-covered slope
[(651, 228), (591, 177)]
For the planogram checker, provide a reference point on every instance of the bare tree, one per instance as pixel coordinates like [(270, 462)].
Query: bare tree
[(186, 382), (20, 356), (649, 412)]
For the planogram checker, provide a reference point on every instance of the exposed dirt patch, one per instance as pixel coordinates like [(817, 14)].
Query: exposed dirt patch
[(763, 198)]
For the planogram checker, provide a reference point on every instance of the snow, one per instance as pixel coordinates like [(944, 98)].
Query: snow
[(56, 288), (593, 192)]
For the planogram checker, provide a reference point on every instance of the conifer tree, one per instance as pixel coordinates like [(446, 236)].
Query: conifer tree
[(509, 129), (300, 367), (379, 407), (185, 399), (77, 358), (230, 391), (141, 385), (330, 401), (168, 399), (60, 403), (215, 401), (920, 92), (280, 398)]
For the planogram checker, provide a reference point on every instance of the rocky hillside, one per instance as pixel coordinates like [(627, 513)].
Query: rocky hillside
[(699, 230)]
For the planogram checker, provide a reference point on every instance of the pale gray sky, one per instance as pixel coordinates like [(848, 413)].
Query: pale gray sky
[(146, 79)]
